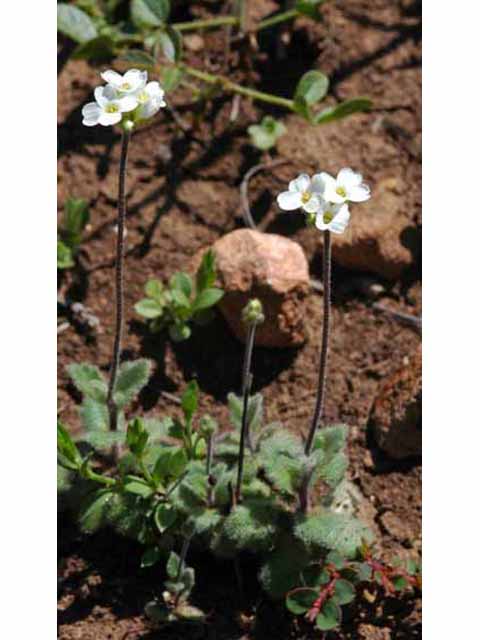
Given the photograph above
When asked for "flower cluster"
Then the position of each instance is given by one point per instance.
(128, 93)
(325, 198)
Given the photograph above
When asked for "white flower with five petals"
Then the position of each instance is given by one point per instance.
(348, 186)
(130, 83)
(332, 217)
(150, 99)
(304, 193)
(108, 107)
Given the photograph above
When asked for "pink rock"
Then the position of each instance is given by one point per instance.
(274, 269)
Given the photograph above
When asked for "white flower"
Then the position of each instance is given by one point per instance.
(150, 99)
(348, 186)
(302, 192)
(128, 84)
(108, 108)
(333, 217)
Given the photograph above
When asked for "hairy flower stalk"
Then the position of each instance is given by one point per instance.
(252, 316)
(119, 304)
(125, 100)
(324, 199)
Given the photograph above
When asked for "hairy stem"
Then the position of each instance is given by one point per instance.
(206, 24)
(210, 480)
(117, 343)
(227, 85)
(322, 374)
(246, 385)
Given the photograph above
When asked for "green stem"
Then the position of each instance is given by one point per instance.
(97, 477)
(206, 24)
(246, 385)
(227, 85)
(117, 343)
(277, 19)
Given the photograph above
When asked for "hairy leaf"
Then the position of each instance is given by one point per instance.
(69, 455)
(88, 379)
(75, 23)
(132, 377)
(94, 415)
(94, 511)
(335, 531)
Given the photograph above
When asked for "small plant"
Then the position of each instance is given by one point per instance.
(183, 301)
(75, 219)
(334, 582)
(265, 135)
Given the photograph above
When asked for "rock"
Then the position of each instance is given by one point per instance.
(380, 237)
(396, 414)
(371, 632)
(251, 264)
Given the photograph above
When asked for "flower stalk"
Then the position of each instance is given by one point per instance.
(119, 279)
(252, 316)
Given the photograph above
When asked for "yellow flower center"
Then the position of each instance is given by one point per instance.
(112, 108)
(327, 217)
(341, 191)
(142, 97)
(306, 195)
(125, 86)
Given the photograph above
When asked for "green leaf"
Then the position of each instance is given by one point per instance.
(101, 48)
(138, 488)
(363, 571)
(336, 559)
(149, 308)
(301, 600)
(342, 110)
(179, 333)
(75, 23)
(190, 613)
(344, 592)
(170, 464)
(400, 583)
(207, 298)
(132, 377)
(333, 531)
(94, 511)
(103, 441)
(138, 57)
(264, 136)
(188, 578)
(164, 516)
(149, 13)
(179, 299)
(170, 41)
(283, 567)
(76, 217)
(150, 557)
(64, 256)
(170, 78)
(94, 415)
(89, 380)
(137, 437)
(70, 456)
(154, 289)
(206, 273)
(173, 565)
(309, 8)
(183, 282)
(190, 400)
(329, 617)
(311, 88)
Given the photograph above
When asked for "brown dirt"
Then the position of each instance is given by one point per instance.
(183, 194)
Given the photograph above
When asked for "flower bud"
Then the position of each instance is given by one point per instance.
(253, 312)
(208, 426)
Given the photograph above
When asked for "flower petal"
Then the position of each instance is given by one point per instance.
(108, 119)
(127, 103)
(313, 205)
(300, 184)
(329, 192)
(112, 77)
(91, 113)
(340, 221)
(154, 89)
(289, 200)
(348, 178)
(318, 184)
(136, 78)
(359, 194)
(99, 96)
